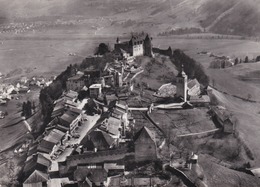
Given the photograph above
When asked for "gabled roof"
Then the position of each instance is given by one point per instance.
(54, 136)
(76, 77)
(144, 131)
(192, 83)
(36, 176)
(62, 128)
(221, 113)
(45, 146)
(138, 37)
(94, 174)
(36, 162)
(71, 94)
(100, 140)
(68, 117)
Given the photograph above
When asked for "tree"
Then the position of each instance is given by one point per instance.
(257, 59)
(236, 61)
(246, 60)
(29, 108)
(149, 68)
(102, 49)
(223, 64)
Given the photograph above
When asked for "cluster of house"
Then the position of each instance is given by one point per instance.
(92, 141)
(101, 155)
(78, 150)
(8, 91)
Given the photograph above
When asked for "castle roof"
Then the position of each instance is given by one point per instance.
(138, 37)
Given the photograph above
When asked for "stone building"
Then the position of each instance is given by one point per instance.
(75, 83)
(139, 45)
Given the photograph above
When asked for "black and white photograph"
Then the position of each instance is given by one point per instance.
(130, 93)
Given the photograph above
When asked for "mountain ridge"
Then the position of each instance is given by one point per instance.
(223, 17)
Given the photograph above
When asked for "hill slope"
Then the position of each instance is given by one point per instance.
(225, 17)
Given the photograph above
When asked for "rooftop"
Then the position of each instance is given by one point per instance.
(95, 86)
(144, 131)
(54, 136)
(36, 176)
(94, 175)
(76, 77)
(192, 83)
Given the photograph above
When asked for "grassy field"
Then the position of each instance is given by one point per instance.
(179, 122)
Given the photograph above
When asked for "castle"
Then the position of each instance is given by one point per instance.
(138, 45)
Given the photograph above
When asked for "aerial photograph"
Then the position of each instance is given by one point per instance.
(130, 93)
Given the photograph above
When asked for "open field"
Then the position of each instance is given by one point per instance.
(179, 122)
(12, 127)
(220, 176)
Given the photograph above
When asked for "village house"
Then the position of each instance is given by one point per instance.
(95, 90)
(223, 118)
(90, 177)
(92, 75)
(193, 87)
(145, 145)
(92, 158)
(35, 171)
(36, 179)
(140, 44)
(75, 83)
(97, 140)
(71, 119)
(52, 139)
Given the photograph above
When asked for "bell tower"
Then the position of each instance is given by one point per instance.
(181, 84)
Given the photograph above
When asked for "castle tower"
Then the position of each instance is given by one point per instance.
(181, 85)
(148, 46)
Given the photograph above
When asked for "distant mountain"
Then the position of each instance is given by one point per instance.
(238, 17)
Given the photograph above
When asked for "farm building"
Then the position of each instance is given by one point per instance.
(224, 119)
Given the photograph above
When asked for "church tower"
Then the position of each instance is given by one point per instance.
(181, 85)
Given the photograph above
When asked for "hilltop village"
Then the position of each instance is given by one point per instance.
(107, 128)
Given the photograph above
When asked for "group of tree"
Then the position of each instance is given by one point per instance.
(191, 67)
(27, 109)
(180, 31)
(246, 60)
(51, 93)
(102, 49)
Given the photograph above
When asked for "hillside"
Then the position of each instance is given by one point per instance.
(224, 17)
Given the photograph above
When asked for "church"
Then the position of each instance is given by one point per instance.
(186, 88)
(139, 45)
